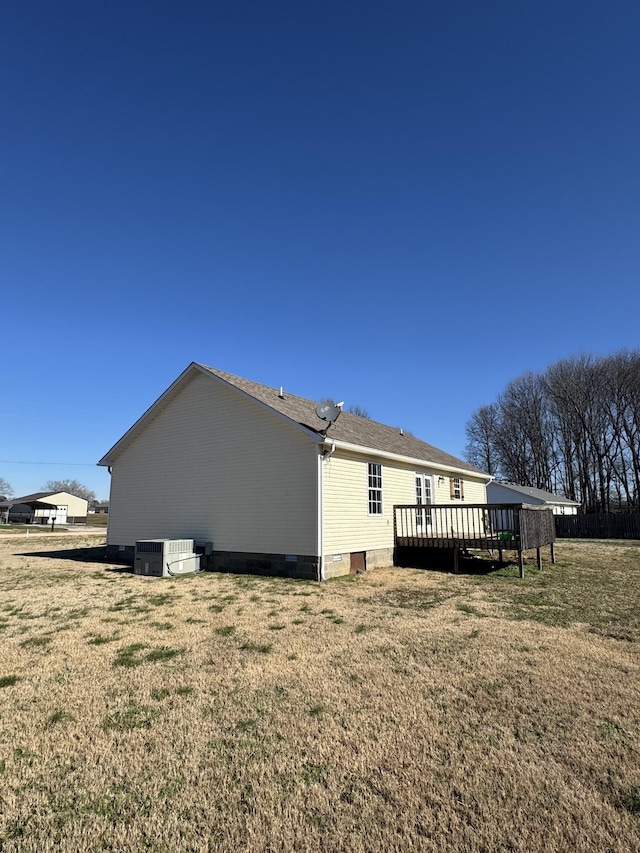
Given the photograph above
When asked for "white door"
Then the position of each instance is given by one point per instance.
(424, 492)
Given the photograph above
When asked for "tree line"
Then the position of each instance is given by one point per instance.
(573, 429)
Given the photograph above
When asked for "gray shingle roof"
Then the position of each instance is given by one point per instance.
(28, 499)
(539, 494)
(348, 428)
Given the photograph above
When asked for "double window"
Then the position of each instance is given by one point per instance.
(375, 488)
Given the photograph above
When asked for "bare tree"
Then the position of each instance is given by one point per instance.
(628, 420)
(522, 439)
(573, 429)
(6, 491)
(482, 431)
(581, 390)
(73, 487)
(359, 411)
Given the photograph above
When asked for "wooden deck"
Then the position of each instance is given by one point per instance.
(471, 543)
(473, 527)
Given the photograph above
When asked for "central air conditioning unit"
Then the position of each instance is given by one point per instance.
(165, 558)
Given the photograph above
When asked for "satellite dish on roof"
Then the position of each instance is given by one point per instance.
(328, 411)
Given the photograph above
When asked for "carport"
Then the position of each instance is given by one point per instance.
(23, 510)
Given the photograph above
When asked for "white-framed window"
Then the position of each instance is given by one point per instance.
(456, 489)
(375, 488)
(424, 489)
(423, 497)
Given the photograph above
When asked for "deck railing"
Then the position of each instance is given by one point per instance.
(446, 525)
(501, 527)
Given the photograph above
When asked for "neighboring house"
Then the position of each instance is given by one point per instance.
(44, 508)
(258, 479)
(101, 508)
(510, 493)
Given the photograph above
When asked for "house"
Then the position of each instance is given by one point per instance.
(44, 508)
(100, 508)
(255, 476)
(510, 493)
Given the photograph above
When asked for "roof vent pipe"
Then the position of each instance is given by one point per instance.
(401, 432)
(281, 393)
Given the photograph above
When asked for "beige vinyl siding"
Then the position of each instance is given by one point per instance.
(475, 491)
(76, 507)
(217, 467)
(347, 524)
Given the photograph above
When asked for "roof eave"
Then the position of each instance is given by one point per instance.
(410, 460)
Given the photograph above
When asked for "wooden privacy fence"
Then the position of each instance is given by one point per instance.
(500, 527)
(598, 526)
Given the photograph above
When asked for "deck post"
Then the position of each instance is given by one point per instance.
(520, 563)
(553, 553)
(456, 559)
(539, 559)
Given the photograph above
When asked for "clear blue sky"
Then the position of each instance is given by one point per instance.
(402, 205)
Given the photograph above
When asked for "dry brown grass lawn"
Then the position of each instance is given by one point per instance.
(399, 710)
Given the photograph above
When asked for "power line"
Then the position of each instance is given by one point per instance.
(23, 462)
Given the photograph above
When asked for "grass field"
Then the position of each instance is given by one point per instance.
(398, 710)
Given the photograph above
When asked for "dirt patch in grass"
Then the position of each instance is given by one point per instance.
(402, 710)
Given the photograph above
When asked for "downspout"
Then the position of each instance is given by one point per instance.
(322, 455)
(329, 453)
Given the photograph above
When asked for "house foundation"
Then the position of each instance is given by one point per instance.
(356, 562)
(300, 566)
